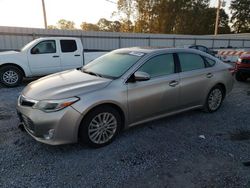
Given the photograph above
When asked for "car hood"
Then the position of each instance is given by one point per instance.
(64, 85)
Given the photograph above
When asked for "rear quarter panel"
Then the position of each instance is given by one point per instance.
(222, 75)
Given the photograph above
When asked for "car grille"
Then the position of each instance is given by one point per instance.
(28, 123)
(23, 101)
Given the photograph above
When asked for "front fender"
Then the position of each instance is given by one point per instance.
(19, 60)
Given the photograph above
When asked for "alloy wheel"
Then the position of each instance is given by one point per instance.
(10, 77)
(215, 99)
(102, 128)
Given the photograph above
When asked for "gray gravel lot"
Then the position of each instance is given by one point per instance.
(162, 153)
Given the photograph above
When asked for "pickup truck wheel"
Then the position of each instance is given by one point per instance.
(240, 77)
(10, 76)
(100, 127)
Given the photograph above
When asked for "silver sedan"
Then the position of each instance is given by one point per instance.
(119, 90)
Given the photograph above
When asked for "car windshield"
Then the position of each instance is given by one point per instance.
(112, 65)
(28, 45)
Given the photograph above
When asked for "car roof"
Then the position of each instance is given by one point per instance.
(245, 56)
(149, 50)
(63, 38)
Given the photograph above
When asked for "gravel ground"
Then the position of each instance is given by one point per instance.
(165, 153)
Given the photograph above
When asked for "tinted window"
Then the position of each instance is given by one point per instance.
(190, 61)
(247, 61)
(193, 47)
(210, 62)
(159, 65)
(44, 47)
(68, 45)
(112, 64)
(202, 48)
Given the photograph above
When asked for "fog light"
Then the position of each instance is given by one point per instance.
(49, 135)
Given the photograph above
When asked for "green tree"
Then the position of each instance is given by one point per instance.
(89, 27)
(145, 16)
(116, 26)
(240, 10)
(65, 24)
(126, 9)
(174, 16)
(190, 18)
(104, 24)
(52, 27)
(224, 27)
(111, 26)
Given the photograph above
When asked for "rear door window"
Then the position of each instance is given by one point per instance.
(68, 46)
(189, 61)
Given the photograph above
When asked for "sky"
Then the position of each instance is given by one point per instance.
(28, 13)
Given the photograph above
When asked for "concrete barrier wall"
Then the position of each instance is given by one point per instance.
(16, 37)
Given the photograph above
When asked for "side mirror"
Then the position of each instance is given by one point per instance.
(141, 76)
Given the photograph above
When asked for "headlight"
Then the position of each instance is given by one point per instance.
(55, 105)
(239, 60)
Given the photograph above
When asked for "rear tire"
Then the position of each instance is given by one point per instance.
(214, 99)
(240, 77)
(100, 127)
(10, 76)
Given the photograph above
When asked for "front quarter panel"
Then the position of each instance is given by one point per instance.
(115, 94)
(19, 59)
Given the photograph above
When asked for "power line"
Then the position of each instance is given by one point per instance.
(111, 1)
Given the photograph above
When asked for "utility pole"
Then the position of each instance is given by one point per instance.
(217, 18)
(44, 15)
(221, 3)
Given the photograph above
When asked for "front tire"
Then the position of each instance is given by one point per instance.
(100, 126)
(10, 76)
(214, 99)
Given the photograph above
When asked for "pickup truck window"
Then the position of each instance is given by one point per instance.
(68, 45)
(44, 47)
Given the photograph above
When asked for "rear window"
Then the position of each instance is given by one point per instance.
(68, 45)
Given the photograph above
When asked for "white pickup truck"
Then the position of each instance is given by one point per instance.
(40, 57)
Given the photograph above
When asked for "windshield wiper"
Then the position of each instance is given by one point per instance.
(92, 73)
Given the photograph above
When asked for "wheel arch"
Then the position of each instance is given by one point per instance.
(14, 65)
(110, 104)
(223, 86)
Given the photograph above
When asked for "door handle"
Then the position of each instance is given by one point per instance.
(77, 55)
(55, 56)
(209, 75)
(173, 83)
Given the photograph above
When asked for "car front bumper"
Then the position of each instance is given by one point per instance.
(53, 128)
